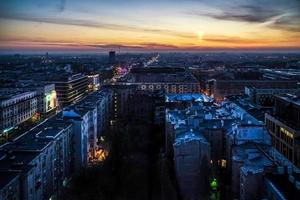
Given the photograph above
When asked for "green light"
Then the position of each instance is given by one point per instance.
(48, 97)
(7, 129)
(214, 184)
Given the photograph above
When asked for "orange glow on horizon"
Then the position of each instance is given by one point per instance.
(138, 27)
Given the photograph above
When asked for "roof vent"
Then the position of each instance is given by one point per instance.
(11, 157)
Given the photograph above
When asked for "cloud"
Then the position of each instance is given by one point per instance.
(60, 43)
(225, 39)
(289, 23)
(114, 46)
(276, 15)
(57, 46)
(95, 24)
(234, 40)
(53, 5)
(137, 46)
(243, 13)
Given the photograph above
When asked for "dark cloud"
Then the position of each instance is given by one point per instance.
(246, 13)
(53, 5)
(114, 46)
(278, 15)
(289, 23)
(159, 46)
(57, 43)
(62, 5)
(141, 46)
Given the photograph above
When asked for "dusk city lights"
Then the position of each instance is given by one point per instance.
(149, 99)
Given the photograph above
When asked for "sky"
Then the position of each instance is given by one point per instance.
(149, 25)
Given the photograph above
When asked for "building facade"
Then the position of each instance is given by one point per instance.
(70, 89)
(47, 100)
(42, 158)
(284, 127)
(192, 163)
(17, 108)
(266, 97)
(94, 82)
(10, 185)
(222, 88)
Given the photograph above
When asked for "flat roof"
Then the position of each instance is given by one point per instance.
(290, 98)
(7, 177)
(188, 97)
(283, 185)
(40, 136)
(17, 161)
(188, 137)
(7, 93)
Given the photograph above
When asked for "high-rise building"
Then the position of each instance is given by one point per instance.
(90, 117)
(69, 88)
(284, 127)
(112, 57)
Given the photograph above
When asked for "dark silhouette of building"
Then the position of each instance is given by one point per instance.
(112, 57)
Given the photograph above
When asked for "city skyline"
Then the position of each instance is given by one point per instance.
(166, 25)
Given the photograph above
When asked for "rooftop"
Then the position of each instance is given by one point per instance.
(254, 160)
(40, 136)
(290, 98)
(188, 97)
(281, 183)
(17, 160)
(64, 77)
(7, 93)
(160, 74)
(244, 133)
(7, 177)
(188, 137)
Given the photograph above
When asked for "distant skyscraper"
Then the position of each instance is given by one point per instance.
(112, 57)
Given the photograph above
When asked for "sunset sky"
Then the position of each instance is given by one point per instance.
(149, 25)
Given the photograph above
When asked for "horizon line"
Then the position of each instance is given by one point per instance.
(103, 51)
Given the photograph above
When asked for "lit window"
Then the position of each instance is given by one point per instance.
(286, 132)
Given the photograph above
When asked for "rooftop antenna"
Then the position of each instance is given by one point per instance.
(119, 55)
